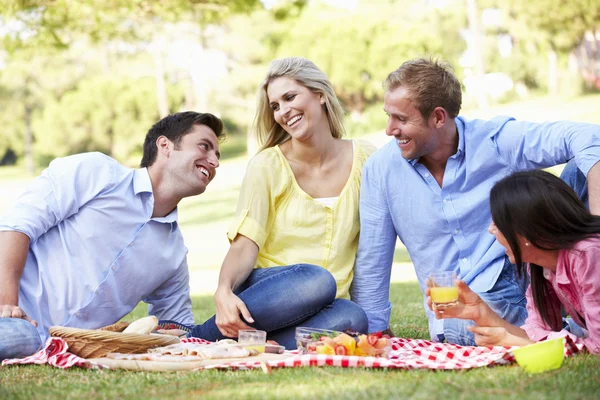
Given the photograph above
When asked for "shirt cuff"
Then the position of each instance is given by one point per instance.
(379, 320)
(249, 227)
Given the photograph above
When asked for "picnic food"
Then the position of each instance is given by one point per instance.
(188, 352)
(143, 325)
(117, 327)
(320, 341)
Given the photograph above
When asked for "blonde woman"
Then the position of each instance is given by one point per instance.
(295, 235)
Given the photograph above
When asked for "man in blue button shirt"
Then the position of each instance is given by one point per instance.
(430, 188)
(90, 239)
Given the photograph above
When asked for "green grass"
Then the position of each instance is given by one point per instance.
(579, 378)
(204, 221)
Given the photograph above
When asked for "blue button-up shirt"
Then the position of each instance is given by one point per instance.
(95, 249)
(445, 228)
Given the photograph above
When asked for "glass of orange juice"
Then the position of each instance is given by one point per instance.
(443, 289)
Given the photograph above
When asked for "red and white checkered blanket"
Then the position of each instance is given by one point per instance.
(405, 354)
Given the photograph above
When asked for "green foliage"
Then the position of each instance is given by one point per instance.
(100, 114)
(357, 49)
(562, 22)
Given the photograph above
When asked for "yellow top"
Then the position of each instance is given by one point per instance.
(290, 227)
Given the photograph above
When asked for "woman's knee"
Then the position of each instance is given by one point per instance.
(316, 282)
(354, 314)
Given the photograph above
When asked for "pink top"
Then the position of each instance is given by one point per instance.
(577, 285)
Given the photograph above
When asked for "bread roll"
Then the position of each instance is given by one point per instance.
(143, 325)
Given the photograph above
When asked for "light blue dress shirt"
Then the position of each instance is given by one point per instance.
(95, 250)
(445, 228)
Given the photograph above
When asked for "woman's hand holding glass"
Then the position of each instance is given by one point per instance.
(470, 306)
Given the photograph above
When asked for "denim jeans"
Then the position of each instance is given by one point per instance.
(18, 338)
(577, 180)
(282, 298)
(506, 298)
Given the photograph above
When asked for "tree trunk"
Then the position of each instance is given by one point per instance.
(159, 76)
(552, 72)
(29, 141)
(473, 18)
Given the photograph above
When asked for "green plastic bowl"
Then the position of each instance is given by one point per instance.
(541, 356)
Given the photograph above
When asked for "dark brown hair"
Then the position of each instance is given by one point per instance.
(544, 210)
(174, 127)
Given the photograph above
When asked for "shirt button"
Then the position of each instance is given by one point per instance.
(427, 175)
(446, 200)
(130, 244)
(456, 231)
(114, 267)
(464, 259)
(78, 315)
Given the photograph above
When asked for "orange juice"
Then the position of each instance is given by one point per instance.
(444, 296)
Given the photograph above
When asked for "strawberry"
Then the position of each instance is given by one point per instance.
(340, 350)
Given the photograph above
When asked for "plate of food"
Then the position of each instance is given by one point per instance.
(322, 341)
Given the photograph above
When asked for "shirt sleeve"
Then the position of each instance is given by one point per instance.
(588, 276)
(59, 192)
(254, 203)
(534, 325)
(527, 145)
(371, 285)
(171, 300)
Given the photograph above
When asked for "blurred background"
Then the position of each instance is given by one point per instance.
(94, 75)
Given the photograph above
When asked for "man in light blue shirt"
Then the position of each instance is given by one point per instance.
(90, 239)
(430, 187)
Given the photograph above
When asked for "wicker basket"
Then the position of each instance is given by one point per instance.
(88, 343)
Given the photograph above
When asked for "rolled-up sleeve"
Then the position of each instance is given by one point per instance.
(254, 205)
(371, 285)
(59, 192)
(534, 325)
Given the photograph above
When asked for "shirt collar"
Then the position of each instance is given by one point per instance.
(141, 181)
(143, 184)
(460, 129)
(560, 275)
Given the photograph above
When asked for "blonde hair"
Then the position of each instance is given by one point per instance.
(432, 84)
(268, 132)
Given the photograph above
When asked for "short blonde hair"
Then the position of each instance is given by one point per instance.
(432, 84)
(268, 132)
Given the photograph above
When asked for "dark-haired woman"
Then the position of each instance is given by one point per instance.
(546, 229)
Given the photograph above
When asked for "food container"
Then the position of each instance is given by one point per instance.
(328, 342)
(542, 356)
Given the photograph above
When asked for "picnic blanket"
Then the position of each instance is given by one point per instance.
(405, 354)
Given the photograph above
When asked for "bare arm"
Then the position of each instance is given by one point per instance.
(593, 180)
(13, 254)
(236, 268)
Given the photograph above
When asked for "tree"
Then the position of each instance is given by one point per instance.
(562, 23)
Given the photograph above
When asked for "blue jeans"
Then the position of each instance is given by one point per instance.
(18, 338)
(577, 180)
(506, 298)
(282, 298)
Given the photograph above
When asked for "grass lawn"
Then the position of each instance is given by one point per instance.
(579, 377)
(204, 220)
